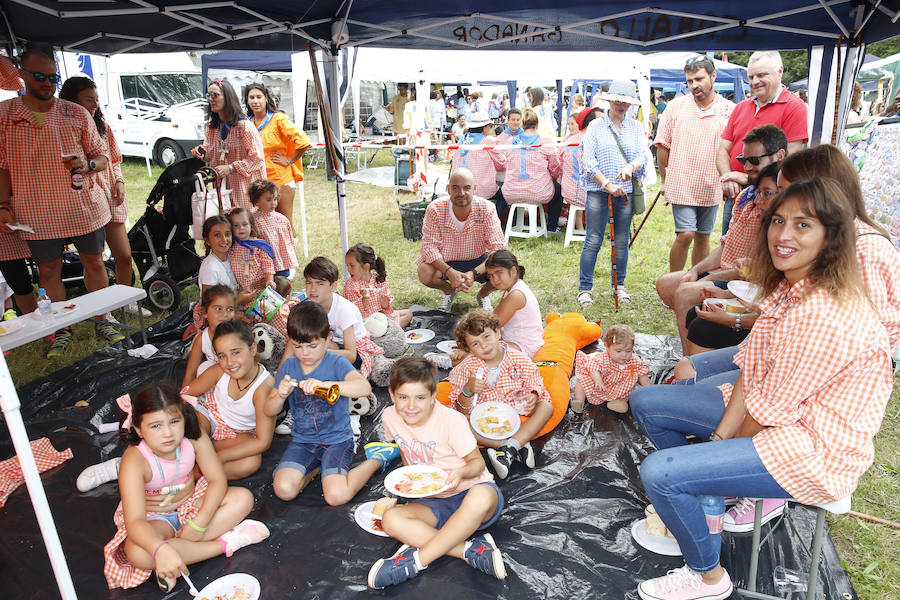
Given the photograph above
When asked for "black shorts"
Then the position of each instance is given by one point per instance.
(711, 335)
(16, 274)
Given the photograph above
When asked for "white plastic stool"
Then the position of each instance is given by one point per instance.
(574, 232)
(838, 507)
(515, 224)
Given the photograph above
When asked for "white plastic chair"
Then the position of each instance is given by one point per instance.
(574, 233)
(515, 224)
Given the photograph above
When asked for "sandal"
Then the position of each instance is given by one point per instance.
(623, 296)
(585, 299)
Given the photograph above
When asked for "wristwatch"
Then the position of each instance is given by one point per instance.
(92, 166)
(737, 323)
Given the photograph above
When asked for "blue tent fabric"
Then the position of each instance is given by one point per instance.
(730, 79)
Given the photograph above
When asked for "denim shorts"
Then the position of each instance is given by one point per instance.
(170, 517)
(334, 459)
(443, 508)
(47, 251)
(700, 219)
(283, 273)
(464, 266)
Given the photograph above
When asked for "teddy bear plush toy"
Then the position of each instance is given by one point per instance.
(391, 338)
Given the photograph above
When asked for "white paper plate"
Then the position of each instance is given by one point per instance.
(744, 290)
(729, 305)
(419, 336)
(365, 518)
(504, 412)
(225, 586)
(11, 326)
(63, 307)
(660, 544)
(447, 346)
(399, 475)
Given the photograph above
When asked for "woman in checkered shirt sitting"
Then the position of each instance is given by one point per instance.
(799, 421)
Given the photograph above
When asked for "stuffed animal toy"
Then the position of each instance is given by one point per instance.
(386, 334)
(270, 345)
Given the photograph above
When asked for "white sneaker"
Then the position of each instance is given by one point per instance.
(485, 303)
(134, 307)
(440, 360)
(284, 428)
(446, 302)
(98, 474)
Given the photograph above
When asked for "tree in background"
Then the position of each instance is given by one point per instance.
(796, 63)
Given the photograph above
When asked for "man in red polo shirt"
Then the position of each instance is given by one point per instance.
(771, 103)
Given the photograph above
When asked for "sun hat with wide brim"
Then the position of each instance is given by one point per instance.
(620, 91)
(478, 119)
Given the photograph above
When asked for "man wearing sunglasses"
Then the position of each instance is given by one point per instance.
(686, 145)
(37, 131)
(771, 103)
(682, 290)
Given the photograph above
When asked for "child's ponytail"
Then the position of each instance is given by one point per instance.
(365, 255)
(159, 396)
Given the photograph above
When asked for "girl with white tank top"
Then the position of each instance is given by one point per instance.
(518, 311)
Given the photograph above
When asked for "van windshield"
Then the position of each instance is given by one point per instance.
(166, 88)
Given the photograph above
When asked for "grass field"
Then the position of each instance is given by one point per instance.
(869, 551)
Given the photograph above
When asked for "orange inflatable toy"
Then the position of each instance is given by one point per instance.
(563, 336)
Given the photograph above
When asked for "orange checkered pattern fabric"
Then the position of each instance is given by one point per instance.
(517, 373)
(275, 228)
(366, 349)
(879, 265)
(223, 431)
(483, 164)
(107, 177)
(372, 303)
(618, 380)
(13, 247)
(117, 569)
(44, 198)
(45, 457)
(573, 190)
(740, 240)
(542, 167)
(818, 389)
(480, 235)
(692, 137)
(251, 269)
(244, 152)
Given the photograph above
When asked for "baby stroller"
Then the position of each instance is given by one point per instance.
(162, 247)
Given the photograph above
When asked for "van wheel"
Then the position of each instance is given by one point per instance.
(167, 152)
(163, 293)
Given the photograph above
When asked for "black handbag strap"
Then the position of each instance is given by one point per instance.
(634, 180)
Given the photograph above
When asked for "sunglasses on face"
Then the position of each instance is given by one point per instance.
(212, 95)
(42, 77)
(753, 160)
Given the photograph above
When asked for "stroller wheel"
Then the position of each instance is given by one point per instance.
(163, 293)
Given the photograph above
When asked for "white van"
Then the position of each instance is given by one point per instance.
(153, 102)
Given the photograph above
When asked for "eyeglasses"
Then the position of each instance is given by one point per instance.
(42, 77)
(212, 95)
(766, 194)
(753, 160)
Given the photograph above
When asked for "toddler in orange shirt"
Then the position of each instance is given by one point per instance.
(609, 377)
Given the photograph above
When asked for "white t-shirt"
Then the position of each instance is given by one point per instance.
(525, 327)
(213, 271)
(342, 315)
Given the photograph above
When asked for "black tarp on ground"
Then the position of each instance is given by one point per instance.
(565, 532)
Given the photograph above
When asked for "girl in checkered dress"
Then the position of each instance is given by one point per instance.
(274, 228)
(167, 519)
(609, 376)
(367, 287)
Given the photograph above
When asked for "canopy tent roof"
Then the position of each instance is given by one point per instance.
(667, 71)
(886, 68)
(115, 26)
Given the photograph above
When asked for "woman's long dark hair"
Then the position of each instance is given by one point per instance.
(74, 86)
(270, 101)
(232, 109)
(159, 396)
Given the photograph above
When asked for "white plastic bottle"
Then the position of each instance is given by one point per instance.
(44, 305)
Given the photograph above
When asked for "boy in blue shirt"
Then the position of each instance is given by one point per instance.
(321, 433)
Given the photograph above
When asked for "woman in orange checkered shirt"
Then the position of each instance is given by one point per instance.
(799, 421)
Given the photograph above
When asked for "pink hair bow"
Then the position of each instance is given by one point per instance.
(124, 402)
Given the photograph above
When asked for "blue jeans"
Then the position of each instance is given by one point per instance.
(596, 212)
(727, 209)
(713, 367)
(674, 476)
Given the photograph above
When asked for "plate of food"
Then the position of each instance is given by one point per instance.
(659, 544)
(59, 309)
(11, 326)
(447, 346)
(744, 290)
(368, 515)
(416, 481)
(494, 420)
(237, 586)
(729, 305)
(419, 336)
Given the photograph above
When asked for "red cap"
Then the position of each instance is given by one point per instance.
(583, 115)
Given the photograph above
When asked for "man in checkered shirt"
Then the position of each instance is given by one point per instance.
(682, 289)
(37, 189)
(458, 234)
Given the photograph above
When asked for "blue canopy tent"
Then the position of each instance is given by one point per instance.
(832, 30)
(667, 72)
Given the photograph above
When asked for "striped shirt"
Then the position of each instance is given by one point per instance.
(601, 154)
(819, 387)
(481, 233)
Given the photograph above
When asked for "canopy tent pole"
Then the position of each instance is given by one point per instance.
(9, 401)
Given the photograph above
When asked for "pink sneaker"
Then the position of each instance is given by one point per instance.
(684, 584)
(245, 533)
(739, 518)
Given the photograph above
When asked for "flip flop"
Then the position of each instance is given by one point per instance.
(585, 299)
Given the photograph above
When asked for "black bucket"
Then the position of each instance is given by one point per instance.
(412, 216)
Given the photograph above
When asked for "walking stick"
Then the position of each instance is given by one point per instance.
(612, 246)
(644, 220)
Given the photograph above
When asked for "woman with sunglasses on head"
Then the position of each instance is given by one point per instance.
(799, 420)
(283, 144)
(232, 145)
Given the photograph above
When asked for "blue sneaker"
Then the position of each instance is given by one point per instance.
(383, 452)
(396, 569)
(484, 555)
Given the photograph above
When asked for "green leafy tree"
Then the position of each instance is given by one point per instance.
(885, 48)
(796, 63)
